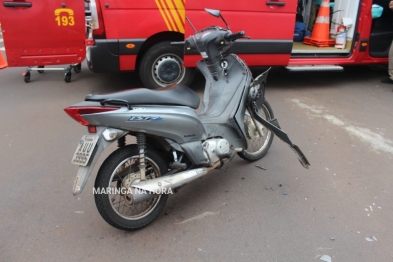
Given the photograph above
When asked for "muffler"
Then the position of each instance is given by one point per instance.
(146, 190)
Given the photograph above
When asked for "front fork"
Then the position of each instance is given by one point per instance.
(257, 96)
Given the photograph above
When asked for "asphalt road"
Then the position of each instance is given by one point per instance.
(340, 209)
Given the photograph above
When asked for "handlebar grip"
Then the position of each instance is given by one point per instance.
(235, 36)
(178, 43)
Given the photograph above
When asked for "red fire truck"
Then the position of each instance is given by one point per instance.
(135, 35)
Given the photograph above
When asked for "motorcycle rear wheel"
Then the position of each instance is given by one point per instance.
(257, 146)
(113, 206)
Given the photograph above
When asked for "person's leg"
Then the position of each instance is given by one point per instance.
(391, 61)
(389, 80)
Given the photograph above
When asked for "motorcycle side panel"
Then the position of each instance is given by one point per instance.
(194, 151)
(180, 124)
(224, 99)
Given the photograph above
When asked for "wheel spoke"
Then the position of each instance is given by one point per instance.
(119, 204)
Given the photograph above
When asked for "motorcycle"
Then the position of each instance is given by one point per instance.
(174, 144)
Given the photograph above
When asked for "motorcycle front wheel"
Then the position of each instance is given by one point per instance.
(112, 197)
(257, 145)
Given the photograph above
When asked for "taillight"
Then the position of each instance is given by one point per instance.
(91, 129)
(89, 42)
(77, 112)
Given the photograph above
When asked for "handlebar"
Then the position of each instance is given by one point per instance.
(232, 37)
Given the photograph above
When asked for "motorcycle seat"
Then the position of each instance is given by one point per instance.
(176, 95)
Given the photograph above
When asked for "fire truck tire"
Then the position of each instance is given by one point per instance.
(78, 68)
(40, 71)
(26, 77)
(67, 77)
(162, 65)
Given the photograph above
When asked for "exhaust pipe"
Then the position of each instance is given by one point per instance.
(137, 196)
(149, 189)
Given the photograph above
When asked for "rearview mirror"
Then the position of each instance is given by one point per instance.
(217, 13)
(213, 12)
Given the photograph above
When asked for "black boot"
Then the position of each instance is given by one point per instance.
(387, 80)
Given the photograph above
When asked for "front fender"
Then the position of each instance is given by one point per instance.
(273, 126)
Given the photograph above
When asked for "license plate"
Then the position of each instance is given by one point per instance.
(84, 150)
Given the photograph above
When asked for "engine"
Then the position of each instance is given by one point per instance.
(215, 149)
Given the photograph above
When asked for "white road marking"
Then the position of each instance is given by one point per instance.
(314, 109)
(199, 217)
(375, 140)
(326, 258)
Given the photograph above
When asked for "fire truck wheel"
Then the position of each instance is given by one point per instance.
(67, 77)
(162, 65)
(78, 68)
(26, 77)
(40, 71)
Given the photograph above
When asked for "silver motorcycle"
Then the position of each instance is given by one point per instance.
(174, 144)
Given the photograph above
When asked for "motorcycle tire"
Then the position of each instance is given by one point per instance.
(114, 208)
(254, 150)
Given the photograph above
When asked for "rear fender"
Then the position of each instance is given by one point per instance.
(85, 171)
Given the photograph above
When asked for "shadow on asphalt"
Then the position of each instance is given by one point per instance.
(279, 78)
(283, 79)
